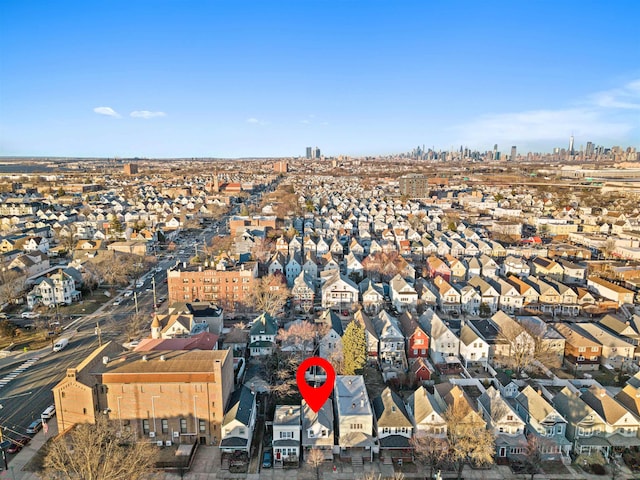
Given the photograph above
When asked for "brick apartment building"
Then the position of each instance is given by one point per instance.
(229, 288)
(170, 396)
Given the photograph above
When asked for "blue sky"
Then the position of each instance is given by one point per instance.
(157, 78)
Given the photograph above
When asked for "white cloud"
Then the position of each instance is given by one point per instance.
(627, 97)
(605, 115)
(108, 111)
(146, 114)
(253, 120)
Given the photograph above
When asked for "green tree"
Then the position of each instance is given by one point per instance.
(116, 227)
(354, 349)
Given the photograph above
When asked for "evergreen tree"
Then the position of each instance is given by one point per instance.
(354, 348)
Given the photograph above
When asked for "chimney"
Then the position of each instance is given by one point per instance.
(353, 405)
(162, 359)
(184, 265)
(200, 268)
(105, 360)
(144, 358)
(362, 402)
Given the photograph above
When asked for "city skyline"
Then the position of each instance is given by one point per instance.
(221, 79)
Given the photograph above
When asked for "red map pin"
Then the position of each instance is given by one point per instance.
(315, 396)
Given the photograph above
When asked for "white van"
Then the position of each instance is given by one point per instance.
(60, 344)
(49, 412)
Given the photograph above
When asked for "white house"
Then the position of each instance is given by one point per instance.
(356, 439)
(286, 434)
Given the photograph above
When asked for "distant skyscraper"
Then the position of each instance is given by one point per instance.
(571, 150)
(309, 150)
(514, 152)
(589, 151)
(316, 153)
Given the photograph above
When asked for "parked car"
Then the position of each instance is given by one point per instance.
(267, 459)
(17, 444)
(30, 315)
(128, 293)
(34, 427)
(116, 303)
(49, 412)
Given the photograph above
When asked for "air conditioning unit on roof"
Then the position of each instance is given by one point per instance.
(152, 434)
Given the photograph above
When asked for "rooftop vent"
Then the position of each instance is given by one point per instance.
(144, 358)
(105, 360)
(162, 359)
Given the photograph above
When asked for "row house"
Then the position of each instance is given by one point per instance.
(427, 414)
(582, 351)
(330, 345)
(372, 296)
(616, 352)
(504, 423)
(403, 296)
(474, 350)
(354, 419)
(303, 292)
(339, 292)
(394, 427)
(391, 341)
(445, 345)
(317, 429)
(488, 293)
(417, 340)
(544, 422)
(545, 267)
(596, 421)
(239, 422)
(287, 426)
(610, 291)
(448, 297)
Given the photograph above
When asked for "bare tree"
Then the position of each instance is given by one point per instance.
(281, 373)
(468, 438)
(12, 286)
(299, 338)
(533, 453)
(270, 294)
(262, 249)
(429, 451)
(520, 345)
(99, 452)
(136, 326)
(315, 458)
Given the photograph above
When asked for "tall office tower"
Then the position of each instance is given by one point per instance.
(514, 152)
(309, 150)
(495, 151)
(316, 153)
(571, 150)
(589, 151)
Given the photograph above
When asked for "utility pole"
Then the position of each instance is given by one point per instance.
(135, 299)
(153, 284)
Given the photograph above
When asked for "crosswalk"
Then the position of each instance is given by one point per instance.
(20, 369)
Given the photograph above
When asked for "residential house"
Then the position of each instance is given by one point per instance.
(586, 429)
(444, 344)
(317, 429)
(610, 291)
(474, 350)
(582, 351)
(516, 346)
(448, 297)
(303, 292)
(262, 336)
(417, 339)
(616, 352)
(330, 345)
(403, 296)
(490, 297)
(545, 422)
(545, 267)
(504, 423)
(427, 414)
(393, 425)
(339, 293)
(372, 296)
(57, 289)
(516, 266)
(293, 268)
(392, 344)
(239, 421)
(286, 435)
(354, 419)
(453, 398)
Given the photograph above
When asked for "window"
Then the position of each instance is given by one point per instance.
(202, 425)
(509, 417)
(165, 425)
(145, 426)
(286, 434)
(582, 349)
(183, 425)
